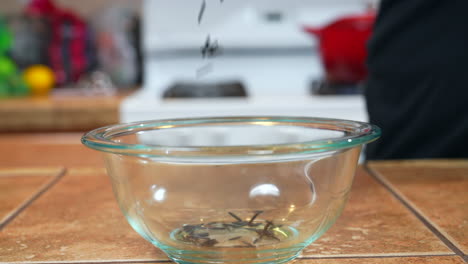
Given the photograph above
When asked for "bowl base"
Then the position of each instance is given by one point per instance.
(248, 257)
(224, 236)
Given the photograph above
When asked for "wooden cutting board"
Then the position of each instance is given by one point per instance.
(48, 114)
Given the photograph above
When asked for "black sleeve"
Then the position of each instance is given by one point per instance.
(417, 90)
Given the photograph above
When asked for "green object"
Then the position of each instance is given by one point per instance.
(13, 85)
(6, 38)
(7, 67)
(11, 82)
(18, 86)
(4, 89)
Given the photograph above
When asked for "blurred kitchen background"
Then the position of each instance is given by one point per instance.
(76, 65)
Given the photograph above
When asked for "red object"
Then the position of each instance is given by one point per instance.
(343, 47)
(67, 48)
(41, 8)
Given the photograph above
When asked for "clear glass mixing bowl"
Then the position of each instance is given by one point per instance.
(238, 189)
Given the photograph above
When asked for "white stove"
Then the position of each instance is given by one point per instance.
(262, 46)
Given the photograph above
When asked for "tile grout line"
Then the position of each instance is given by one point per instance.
(170, 261)
(45, 187)
(433, 227)
(19, 172)
(383, 256)
(126, 261)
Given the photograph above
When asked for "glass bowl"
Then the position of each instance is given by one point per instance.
(237, 189)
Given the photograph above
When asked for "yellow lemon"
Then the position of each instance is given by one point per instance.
(40, 79)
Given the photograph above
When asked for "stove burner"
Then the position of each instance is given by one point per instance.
(206, 90)
(324, 87)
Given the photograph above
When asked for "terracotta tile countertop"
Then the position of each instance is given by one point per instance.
(57, 206)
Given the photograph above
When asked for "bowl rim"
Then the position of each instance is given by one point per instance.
(356, 134)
